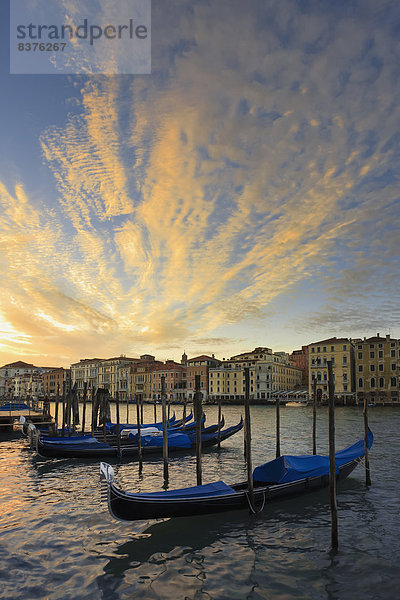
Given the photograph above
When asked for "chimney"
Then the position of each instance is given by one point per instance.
(377, 335)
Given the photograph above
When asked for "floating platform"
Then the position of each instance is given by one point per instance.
(11, 412)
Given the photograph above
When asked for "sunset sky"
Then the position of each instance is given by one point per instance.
(245, 193)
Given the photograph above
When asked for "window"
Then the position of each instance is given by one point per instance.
(380, 353)
(393, 366)
(345, 360)
(381, 382)
(372, 367)
(360, 355)
(332, 348)
(324, 349)
(360, 368)
(371, 346)
(372, 382)
(360, 382)
(372, 354)
(380, 367)
(393, 382)
(344, 348)
(393, 353)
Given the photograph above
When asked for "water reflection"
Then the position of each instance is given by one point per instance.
(58, 536)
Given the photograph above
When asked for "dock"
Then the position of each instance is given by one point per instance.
(11, 412)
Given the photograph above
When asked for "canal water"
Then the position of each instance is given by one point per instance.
(59, 542)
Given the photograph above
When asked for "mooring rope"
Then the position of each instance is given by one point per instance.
(252, 508)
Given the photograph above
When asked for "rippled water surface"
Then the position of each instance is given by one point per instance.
(58, 541)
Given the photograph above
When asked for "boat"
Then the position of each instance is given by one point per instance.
(92, 447)
(282, 477)
(296, 403)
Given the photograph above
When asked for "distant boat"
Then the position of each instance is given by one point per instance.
(296, 403)
(281, 477)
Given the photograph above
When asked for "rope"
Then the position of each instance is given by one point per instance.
(251, 507)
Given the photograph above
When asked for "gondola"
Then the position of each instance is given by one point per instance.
(279, 478)
(88, 447)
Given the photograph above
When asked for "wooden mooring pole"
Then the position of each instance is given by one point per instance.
(277, 427)
(56, 408)
(198, 416)
(94, 411)
(219, 422)
(63, 411)
(314, 423)
(332, 462)
(69, 410)
(184, 414)
(366, 457)
(139, 433)
(84, 406)
(128, 399)
(155, 409)
(248, 436)
(118, 423)
(164, 427)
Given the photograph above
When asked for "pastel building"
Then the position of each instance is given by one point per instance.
(199, 365)
(175, 381)
(55, 381)
(340, 351)
(377, 366)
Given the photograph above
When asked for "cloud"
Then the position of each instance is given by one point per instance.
(260, 155)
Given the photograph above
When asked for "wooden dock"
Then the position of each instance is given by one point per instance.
(11, 412)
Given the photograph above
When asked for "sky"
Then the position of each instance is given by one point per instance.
(244, 193)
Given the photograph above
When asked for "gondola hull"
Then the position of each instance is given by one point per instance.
(101, 450)
(131, 507)
(219, 497)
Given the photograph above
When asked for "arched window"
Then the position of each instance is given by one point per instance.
(381, 382)
(393, 382)
(360, 382)
(372, 382)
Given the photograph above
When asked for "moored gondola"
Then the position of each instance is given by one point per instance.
(279, 478)
(92, 447)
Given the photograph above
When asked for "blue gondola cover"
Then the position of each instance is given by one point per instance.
(289, 468)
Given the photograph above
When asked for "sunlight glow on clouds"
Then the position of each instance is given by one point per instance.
(194, 198)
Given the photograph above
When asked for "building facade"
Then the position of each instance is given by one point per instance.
(299, 359)
(55, 381)
(377, 365)
(11, 370)
(200, 365)
(175, 381)
(340, 351)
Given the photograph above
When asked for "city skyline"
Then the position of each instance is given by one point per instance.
(243, 194)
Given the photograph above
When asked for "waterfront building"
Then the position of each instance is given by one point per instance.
(55, 380)
(270, 372)
(175, 381)
(199, 365)
(299, 359)
(377, 365)
(141, 377)
(28, 386)
(11, 370)
(112, 372)
(86, 370)
(341, 352)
